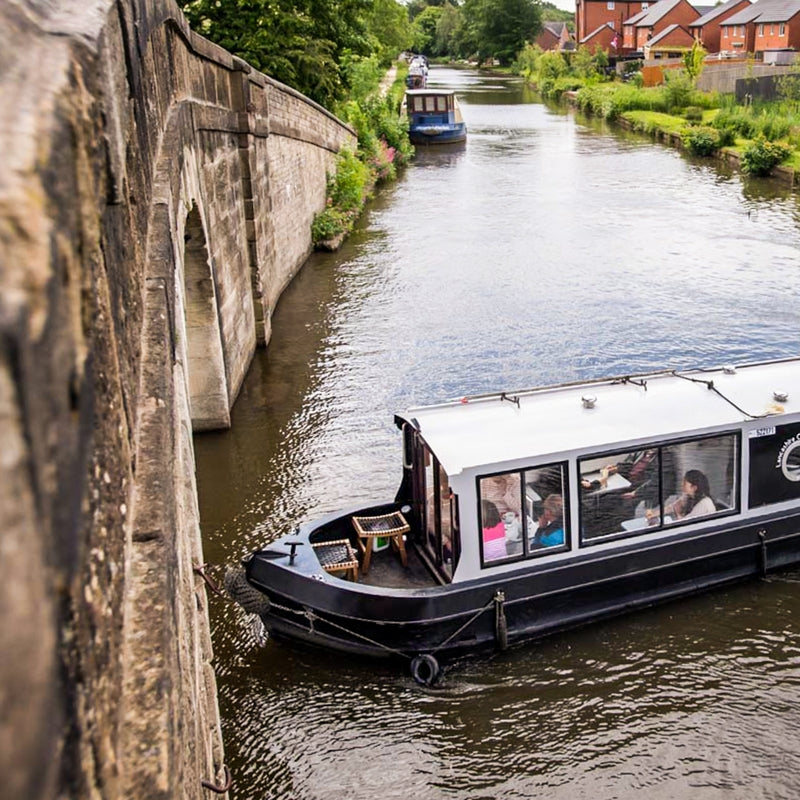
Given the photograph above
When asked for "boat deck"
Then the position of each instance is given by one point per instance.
(386, 571)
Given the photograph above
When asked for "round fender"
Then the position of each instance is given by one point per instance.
(425, 669)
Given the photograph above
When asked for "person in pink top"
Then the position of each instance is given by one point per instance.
(494, 532)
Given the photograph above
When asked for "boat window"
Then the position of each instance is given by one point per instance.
(699, 479)
(774, 464)
(418, 103)
(430, 103)
(616, 491)
(522, 514)
(642, 490)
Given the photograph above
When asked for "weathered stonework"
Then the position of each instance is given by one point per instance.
(156, 196)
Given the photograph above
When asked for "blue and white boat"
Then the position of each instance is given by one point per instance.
(434, 117)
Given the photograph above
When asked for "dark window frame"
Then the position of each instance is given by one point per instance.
(736, 506)
(527, 554)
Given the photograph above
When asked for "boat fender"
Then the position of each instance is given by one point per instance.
(425, 669)
(248, 597)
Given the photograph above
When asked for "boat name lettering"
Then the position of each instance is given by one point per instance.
(754, 434)
(784, 447)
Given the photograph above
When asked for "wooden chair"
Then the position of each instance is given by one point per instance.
(337, 556)
(391, 526)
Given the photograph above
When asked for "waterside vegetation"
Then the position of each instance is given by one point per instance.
(760, 135)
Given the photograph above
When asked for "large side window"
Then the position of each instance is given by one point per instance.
(643, 490)
(523, 513)
(617, 490)
(700, 479)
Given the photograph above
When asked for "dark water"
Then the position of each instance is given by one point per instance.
(549, 248)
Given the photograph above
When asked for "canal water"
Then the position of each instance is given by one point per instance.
(548, 248)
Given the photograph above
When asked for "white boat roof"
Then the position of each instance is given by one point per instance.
(492, 429)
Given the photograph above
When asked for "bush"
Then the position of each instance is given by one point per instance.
(693, 114)
(328, 224)
(763, 155)
(702, 140)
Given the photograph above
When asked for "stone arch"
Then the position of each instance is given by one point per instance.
(205, 367)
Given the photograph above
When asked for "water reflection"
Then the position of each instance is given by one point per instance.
(548, 248)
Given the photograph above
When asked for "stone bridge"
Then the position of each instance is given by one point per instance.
(156, 196)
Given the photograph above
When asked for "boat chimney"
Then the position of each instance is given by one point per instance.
(779, 396)
(588, 400)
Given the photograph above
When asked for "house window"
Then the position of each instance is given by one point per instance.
(760, 30)
(782, 31)
(645, 6)
(771, 30)
(725, 32)
(610, 5)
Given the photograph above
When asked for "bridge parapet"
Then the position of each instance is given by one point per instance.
(156, 198)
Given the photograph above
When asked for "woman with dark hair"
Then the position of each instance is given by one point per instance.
(696, 499)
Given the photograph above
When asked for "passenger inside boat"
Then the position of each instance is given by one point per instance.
(494, 532)
(629, 491)
(550, 528)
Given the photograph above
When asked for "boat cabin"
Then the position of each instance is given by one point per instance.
(500, 481)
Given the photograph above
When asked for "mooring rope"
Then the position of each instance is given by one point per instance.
(711, 387)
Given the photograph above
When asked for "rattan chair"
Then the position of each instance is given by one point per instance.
(391, 526)
(337, 556)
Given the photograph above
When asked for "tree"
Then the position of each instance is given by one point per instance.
(390, 26)
(425, 26)
(694, 61)
(500, 28)
(300, 43)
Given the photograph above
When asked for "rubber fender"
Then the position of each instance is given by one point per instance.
(248, 597)
(425, 669)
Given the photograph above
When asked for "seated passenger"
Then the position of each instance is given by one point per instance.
(695, 501)
(551, 523)
(494, 532)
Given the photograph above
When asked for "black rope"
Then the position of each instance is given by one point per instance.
(629, 379)
(511, 399)
(710, 386)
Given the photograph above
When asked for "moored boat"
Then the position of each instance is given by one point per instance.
(434, 117)
(523, 514)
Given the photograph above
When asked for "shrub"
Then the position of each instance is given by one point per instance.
(346, 187)
(763, 155)
(328, 224)
(693, 114)
(701, 140)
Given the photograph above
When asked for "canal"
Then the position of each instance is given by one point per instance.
(548, 248)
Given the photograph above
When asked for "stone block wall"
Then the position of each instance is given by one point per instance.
(155, 199)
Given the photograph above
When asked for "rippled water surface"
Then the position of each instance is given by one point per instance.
(548, 248)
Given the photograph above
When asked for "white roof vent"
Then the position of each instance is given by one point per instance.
(780, 397)
(588, 401)
(729, 369)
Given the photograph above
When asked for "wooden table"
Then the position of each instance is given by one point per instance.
(391, 526)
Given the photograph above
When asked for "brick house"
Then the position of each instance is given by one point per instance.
(591, 15)
(708, 28)
(642, 27)
(765, 25)
(673, 41)
(604, 37)
(554, 36)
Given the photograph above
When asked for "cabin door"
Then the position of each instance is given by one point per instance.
(438, 511)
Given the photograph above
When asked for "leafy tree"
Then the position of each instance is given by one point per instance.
(788, 87)
(449, 31)
(300, 43)
(500, 28)
(425, 26)
(389, 25)
(694, 61)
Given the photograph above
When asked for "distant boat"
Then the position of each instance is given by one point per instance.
(434, 117)
(417, 77)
